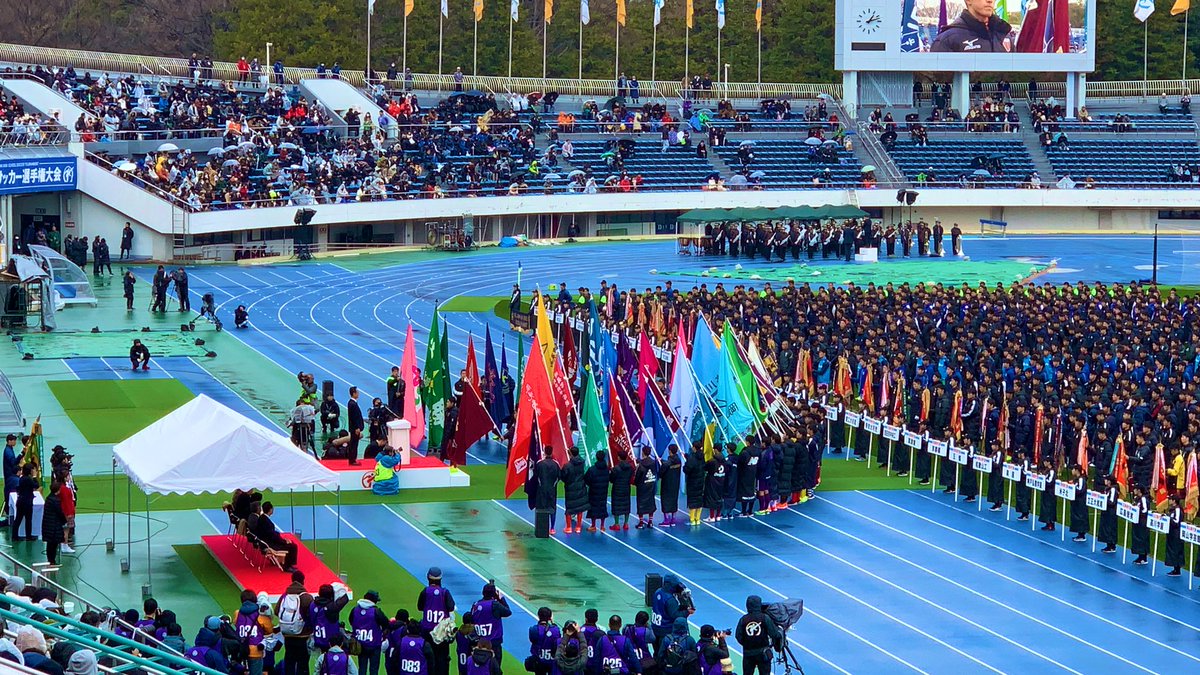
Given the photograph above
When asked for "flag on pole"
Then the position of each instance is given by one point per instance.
(620, 21)
(1001, 9)
(720, 13)
(414, 411)
(658, 5)
(535, 415)
(1158, 481)
(545, 334)
(31, 453)
(408, 7)
(478, 11)
(560, 433)
(745, 383)
(593, 434)
(446, 7)
(866, 389)
(585, 13)
(956, 421)
(1180, 7)
(549, 5)
(1038, 416)
(514, 13)
(683, 390)
(371, 7)
(1191, 496)
(942, 18)
(647, 366)
(1081, 455)
(474, 423)
(1142, 9)
(618, 432)
(472, 365)
(659, 434)
(508, 386)
(758, 14)
(1121, 468)
(841, 380)
(432, 389)
(492, 385)
(688, 12)
(570, 355)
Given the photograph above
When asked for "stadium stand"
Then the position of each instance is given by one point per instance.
(1128, 162)
(985, 161)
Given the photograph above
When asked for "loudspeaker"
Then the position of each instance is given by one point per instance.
(653, 583)
(541, 523)
(327, 389)
(303, 216)
(907, 196)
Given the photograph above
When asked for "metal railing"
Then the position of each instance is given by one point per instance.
(880, 156)
(11, 395)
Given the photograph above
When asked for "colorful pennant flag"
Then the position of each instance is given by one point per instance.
(414, 410)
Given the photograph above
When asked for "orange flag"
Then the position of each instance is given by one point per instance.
(535, 410)
(621, 12)
(1191, 499)
(1158, 481)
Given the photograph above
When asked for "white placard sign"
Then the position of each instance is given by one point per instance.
(1189, 533)
(1035, 481)
(852, 419)
(1127, 510)
(891, 433)
(1065, 489)
(1159, 522)
(1097, 500)
(938, 448)
(912, 439)
(831, 412)
(871, 425)
(1011, 471)
(959, 455)
(982, 463)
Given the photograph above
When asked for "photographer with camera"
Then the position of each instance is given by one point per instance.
(668, 605)
(714, 654)
(758, 634)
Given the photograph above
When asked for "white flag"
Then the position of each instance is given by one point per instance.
(1143, 9)
(683, 391)
(371, 7)
(585, 14)
(720, 14)
(658, 4)
(445, 7)
(513, 11)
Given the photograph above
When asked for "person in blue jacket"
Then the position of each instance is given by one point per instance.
(206, 649)
(665, 607)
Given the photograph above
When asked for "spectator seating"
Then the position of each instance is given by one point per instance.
(1174, 121)
(950, 158)
(1121, 161)
(676, 169)
(787, 164)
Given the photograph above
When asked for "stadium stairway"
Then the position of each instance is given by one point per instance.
(338, 96)
(1040, 161)
(42, 98)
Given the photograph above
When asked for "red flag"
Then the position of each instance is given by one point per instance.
(570, 355)
(1037, 437)
(1032, 37)
(618, 431)
(1062, 27)
(681, 340)
(1002, 424)
(1191, 497)
(841, 383)
(1121, 473)
(1158, 481)
(474, 423)
(956, 425)
(868, 389)
(559, 435)
(898, 400)
(647, 367)
(1081, 456)
(926, 403)
(472, 365)
(535, 408)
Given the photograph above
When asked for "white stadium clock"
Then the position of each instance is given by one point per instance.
(868, 21)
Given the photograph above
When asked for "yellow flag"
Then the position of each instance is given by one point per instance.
(621, 12)
(758, 14)
(709, 430)
(1181, 6)
(689, 14)
(478, 11)
(549, 10)
(408, 7)
(545, 336)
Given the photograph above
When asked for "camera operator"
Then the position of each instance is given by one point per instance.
(758, 634)
(713, 651)
(668, 605)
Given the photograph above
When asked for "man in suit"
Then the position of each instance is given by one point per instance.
(354, 415)
(264, 528)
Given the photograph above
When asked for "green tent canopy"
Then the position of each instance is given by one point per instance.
(756, 214)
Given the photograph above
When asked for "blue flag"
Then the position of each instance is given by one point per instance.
(734, 416)
(658, 434)
(706, 359)
(508, 387)
(493, 385)
(602, 357)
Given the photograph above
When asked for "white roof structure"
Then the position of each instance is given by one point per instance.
(203, 446)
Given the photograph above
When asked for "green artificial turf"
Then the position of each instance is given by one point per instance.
(472, 303)
(115, 345)
(953, 273)
(109, 411)
(211, 576)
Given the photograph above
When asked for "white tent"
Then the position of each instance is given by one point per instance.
(203, 446)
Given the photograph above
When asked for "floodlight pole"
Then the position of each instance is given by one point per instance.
(1154, 262)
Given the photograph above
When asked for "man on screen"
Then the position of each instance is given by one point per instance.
(977, 29)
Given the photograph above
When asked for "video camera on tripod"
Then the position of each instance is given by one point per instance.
(785, 613)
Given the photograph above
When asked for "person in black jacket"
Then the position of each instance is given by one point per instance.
(785, 453)
(758, 634)
(27, 487)
(597, 478)
(646, 480)
(693, 479)
(668, 484)
(355, 418)
(715, 476)
(747, 485)
(547, 474)
(976, 30)
(621, 477)
(128, 281)
(575, 491)
(53, 520)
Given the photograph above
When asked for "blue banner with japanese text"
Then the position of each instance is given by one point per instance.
(37, 174)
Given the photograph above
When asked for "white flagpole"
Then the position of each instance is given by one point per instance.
(719, 32)
(440, 33)
(510, 33)
(581, 48)
(370, 11)
(475, 52)
(760, 59)
(1186, 17)
(545, 40)
(687, 56)
(617, 55)
(404, 47)
(654, 57)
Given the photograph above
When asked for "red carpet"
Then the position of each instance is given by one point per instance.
(271, 580)
(418, 462)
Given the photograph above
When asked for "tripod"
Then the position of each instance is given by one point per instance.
(788, 658)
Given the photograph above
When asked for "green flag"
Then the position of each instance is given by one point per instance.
(746, 384)
(592, 431)
(433, 386)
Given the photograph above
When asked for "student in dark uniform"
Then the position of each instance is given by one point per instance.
(693, 480)
(995, 489)
(735, 239)
(837, 426)
(1108, 519)
(714, 485)
(1023, 492)
(646, 480)
(575, 491)
(747, 483)
(1079, 509)
(597, 479)
(1141, 528)
(1048, 508)
(786, 468)
(795, 240)
(621, 478)
(1174, 558)
(668, 484)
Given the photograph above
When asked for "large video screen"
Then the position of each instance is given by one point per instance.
(994, 26)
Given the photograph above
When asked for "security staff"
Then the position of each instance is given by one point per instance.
(758, 634)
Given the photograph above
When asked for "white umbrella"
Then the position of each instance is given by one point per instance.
(868, 168)
(230, 162)
(746, 144)
(127, 166)
(245, 144)
(168, 147)
(230, 148)
(812, 140)
(216, 152)
(576, 172)
(456, 128)
(758, 174)
(288, 146)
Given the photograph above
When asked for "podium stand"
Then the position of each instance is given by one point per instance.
(867, 255)
(398, 438)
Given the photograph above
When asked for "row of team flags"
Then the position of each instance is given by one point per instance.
(1142, 9)
(585, 14)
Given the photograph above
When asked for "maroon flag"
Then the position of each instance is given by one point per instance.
(570, 355)
(474, 423)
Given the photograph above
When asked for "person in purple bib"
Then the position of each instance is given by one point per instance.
(367, 625)
(591, 635)
(411, 654)
(435, 603)
(616, 651)
(487, 614)
(712, 650)
(335, 661)
(544, 637)
(323, 616)
(641, 637)
(464, 643)
(483, 660)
